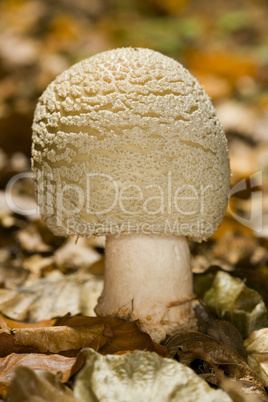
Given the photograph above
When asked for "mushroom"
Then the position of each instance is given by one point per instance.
(127, 144)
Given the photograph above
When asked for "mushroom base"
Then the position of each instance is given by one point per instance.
(148, 278)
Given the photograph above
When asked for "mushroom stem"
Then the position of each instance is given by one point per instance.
(148, 278)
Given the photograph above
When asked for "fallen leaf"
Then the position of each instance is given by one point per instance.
(229, 298)
(198, 350)
(60, 338)
(31, 386)
(69, 334)
(122, 335)
(7, 345)
(76, 255)
(56, 364)
(38, 268)
(140, 376)
(48, 298)
(6, 322)
(233, 388)
(221, 330)
(257, 347)
(31, 241)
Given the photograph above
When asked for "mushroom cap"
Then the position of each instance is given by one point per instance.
(127, 141)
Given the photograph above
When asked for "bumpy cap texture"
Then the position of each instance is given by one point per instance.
(127, 141)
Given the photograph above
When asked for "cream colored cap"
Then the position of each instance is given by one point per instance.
(127, 141)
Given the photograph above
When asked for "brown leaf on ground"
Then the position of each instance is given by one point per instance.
(7, 345)
(232, 386)
(6, 322)
(221, 330)
(30, 386)
(70, 334)
(59, 365)
(61, 338)
(201, 352)
(126, 335)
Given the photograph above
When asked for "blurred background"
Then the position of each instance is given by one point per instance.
(224, 43)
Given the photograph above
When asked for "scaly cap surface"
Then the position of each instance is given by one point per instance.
(128, 141)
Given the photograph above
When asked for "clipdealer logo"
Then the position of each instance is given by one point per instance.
(253, 185)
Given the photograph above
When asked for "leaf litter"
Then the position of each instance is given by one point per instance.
(43, 277)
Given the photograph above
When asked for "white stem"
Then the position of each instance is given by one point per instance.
(148, 278)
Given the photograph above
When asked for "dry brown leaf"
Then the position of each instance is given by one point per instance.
(192, 346)
(70, 334)
(30, 386)
(121, 335)
(6, 322)
(60, 338)
(7, 345)
(221, 330)
(56, 364)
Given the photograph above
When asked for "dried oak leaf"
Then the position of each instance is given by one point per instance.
(7, 345)
(198, 351)
(70, 334)
(59, 365)
(121, 335)
(61, 338)
(30, 386)
(221, 330)
(229, 298)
